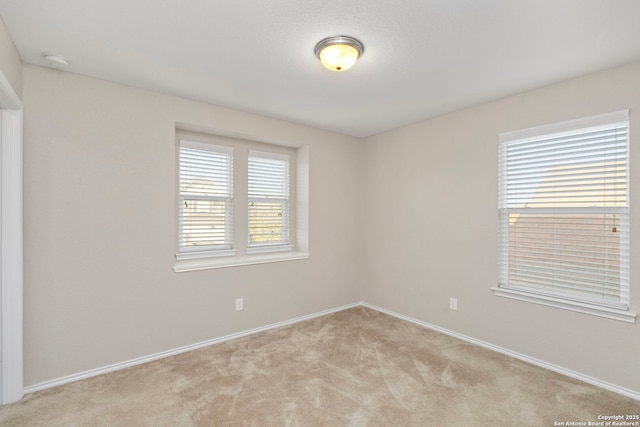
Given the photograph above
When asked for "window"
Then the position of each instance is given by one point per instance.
(205, 200)
(239, 202)
(268, 190)
(564, 215)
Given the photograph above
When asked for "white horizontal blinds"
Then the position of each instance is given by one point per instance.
(583, 170)
(268, 188)
(564, 214)
(205, 196)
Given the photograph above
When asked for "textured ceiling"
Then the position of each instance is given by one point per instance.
(422, 58)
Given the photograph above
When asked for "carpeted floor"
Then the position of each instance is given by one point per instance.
(357, 367)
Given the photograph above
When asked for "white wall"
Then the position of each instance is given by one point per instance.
(100, 221)
(430, 226)
(402, 220)
(10, 61)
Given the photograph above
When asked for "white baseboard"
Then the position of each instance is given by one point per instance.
(138, 361)
(145, 359)
(550, 366)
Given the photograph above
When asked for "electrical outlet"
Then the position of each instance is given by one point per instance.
(239, 304)
(453, 303)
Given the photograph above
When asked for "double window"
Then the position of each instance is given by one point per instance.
(235, 199)
(564, 215)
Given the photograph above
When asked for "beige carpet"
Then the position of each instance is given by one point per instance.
(357, 367)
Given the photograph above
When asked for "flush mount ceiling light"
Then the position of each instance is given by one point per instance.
(339, 53)
(55, 60)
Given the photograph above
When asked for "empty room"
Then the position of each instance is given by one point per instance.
(319, 213)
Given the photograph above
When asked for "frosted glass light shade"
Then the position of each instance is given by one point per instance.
(339, 53)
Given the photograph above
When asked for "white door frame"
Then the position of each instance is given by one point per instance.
(11, 372)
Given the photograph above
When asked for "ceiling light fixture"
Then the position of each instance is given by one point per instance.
(339, 53)
(55, 60)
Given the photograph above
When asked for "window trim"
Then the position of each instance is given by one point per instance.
(577, 306)
(241, 254)
(236, 261)
(621, 313)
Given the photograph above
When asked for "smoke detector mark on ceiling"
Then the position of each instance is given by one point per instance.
(55, 60)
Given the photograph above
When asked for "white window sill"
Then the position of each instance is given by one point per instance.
(580, 307)
(183, 256)
(268, 248)
(235, 261)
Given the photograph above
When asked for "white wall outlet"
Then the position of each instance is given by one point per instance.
(453, 303)
(239, 304)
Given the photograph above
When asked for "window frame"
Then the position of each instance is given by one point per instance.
(618, 311)
(241, 253)
(185, 252)
(285, 202)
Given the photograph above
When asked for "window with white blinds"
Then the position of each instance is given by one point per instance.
(564, 211)
(268, 201)
(205, 199)
(240, 202)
